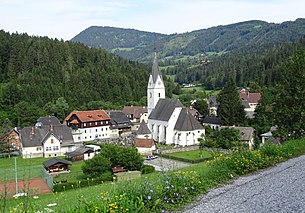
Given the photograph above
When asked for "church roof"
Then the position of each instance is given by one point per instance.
(186, 122)
(164, 109)
(143, 129)
(155, 69)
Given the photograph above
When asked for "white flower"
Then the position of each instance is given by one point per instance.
(52, 204)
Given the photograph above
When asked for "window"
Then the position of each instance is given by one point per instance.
(95, 123)
(55, 148)
(106, 129)
(52, 141)
(159, 95)
(38, 148)
(48, 148)
(85, 131)
(101, 122)
(78, 138)
(106, 122)
(88, 154)
(85, 137)
(102, 129)
(84, 124)
(95, 130)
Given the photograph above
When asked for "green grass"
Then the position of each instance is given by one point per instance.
(192, 155)
(26, 168)
(32, 168)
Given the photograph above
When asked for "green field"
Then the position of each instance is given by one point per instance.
(32, 168)
(192, 155)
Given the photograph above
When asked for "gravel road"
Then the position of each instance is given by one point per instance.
(279, 189)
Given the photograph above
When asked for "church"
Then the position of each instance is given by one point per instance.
(168, 120)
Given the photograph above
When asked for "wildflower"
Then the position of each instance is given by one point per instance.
(193, 187)
(52, 204)
(166, 181)
(185, 188)
(148, 197)
(165, 198)
(35, 197)
(172, 200)
(145, 201)
(151, 190)
(167, 187)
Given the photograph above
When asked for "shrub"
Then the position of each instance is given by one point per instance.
(147, 169)
(107, 176)
(96, 166)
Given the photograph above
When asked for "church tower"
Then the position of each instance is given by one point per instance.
(155, 87)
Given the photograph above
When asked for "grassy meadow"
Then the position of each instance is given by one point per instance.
(193, 154)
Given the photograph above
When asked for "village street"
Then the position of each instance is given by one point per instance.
(279, 189)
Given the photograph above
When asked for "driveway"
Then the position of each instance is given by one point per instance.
(164, 164)
(279, 189)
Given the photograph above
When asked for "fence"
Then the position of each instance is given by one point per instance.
(47, 178)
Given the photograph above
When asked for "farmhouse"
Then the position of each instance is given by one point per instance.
(46, 141)
(120, 124)
(136, 114)
(168, 120)
(88, 125)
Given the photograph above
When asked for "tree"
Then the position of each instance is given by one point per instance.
(96, 166)
(288, 109)
(230, 110)
(202, 106)
(59, 109)
(127, 157)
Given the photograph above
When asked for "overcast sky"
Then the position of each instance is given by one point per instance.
(66, 18)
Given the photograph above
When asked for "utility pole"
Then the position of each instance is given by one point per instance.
(16, 176)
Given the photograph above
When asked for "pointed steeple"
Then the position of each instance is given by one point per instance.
(155, 69)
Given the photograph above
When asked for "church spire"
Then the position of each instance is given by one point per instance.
(155, 69)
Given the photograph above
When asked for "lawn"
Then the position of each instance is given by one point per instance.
(26, 168)
(32, 168)
(192, 155)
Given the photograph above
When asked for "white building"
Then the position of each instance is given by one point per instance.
(168, 120)
(89, 125)
(46, 141)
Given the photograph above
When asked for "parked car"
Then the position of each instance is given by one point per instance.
(151, 157)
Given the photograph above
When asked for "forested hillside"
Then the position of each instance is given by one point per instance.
(138, 45)
(35, 72)
(251, 65)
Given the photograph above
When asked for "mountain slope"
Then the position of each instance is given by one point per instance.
(138, 45)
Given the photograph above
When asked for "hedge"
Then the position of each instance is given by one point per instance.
(186, 160)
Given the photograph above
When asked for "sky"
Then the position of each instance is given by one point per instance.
(64, 19)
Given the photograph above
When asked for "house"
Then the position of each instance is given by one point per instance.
(81, 153)
(246, 135)
(213, 122)
(47, 121)
(250, 101)
(120, 124)
(136, 114)
(56, 165)
(46, 141)
(13, 138)
(269, 136)
(168, 120)
(195, 113)
(212, 105)
(89, 125)
(145, 146)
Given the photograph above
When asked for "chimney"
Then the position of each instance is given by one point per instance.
(51, 127)
(33, 130)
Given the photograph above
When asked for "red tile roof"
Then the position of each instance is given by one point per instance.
(250, 97)
(92, 115)
(136, 111)
(144, 143)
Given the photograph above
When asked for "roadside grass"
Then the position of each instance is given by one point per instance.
(166, 191)
(193, 154)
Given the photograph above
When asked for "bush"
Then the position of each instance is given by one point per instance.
(107, 176)
(96, 166)
(147, 169)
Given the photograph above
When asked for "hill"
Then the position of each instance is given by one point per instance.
(36, 71)
(138, 45)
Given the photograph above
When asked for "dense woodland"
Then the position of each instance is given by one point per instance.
(138, 45)
(258, 65)
(38, 75)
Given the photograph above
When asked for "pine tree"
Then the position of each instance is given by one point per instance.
(289, 106)
(231, 110)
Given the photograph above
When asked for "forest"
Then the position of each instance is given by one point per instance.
(39, 75)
